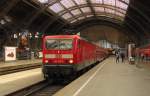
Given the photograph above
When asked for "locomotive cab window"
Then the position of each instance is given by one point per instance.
(56, 44)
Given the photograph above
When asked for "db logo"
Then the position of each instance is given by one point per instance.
(10, 54)
(58, 56)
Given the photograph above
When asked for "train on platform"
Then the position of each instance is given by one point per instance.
(145, 52)
(64, 55)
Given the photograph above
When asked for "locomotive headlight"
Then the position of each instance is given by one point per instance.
(70, 61)
(67, 55)
(46, 61)
(49, 55)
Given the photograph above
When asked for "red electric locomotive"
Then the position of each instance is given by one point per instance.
(68, 54)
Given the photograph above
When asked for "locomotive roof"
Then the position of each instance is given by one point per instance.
(67, 36)
(63, 36)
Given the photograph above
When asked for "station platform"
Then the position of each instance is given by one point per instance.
(11, 83)
(110, 79)
(19, 65)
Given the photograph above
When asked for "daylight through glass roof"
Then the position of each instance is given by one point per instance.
(75, 10)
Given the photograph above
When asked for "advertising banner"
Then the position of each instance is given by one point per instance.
(10, 53)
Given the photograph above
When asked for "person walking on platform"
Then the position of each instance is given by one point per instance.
(117, 57)
(122, 56)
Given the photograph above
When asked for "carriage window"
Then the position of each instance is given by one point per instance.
(65, 44)
(59, 44)
(52, 44)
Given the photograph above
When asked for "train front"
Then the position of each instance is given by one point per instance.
(58, 56)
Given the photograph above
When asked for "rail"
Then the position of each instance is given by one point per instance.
(13, 69)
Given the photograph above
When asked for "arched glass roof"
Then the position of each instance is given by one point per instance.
(76, 10)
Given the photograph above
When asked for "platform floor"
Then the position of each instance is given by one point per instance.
(18, 65)
(110, 79)
(16, 81)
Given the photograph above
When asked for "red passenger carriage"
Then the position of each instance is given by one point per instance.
(145, 51)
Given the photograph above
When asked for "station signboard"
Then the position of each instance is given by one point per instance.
(10, 53)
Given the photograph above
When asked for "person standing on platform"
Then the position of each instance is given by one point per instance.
(142, 56)
(117, 56)
(122, 56)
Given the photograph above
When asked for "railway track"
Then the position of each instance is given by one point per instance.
(13, 69)
(48, 91)
(47, 88)
(42, 89)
